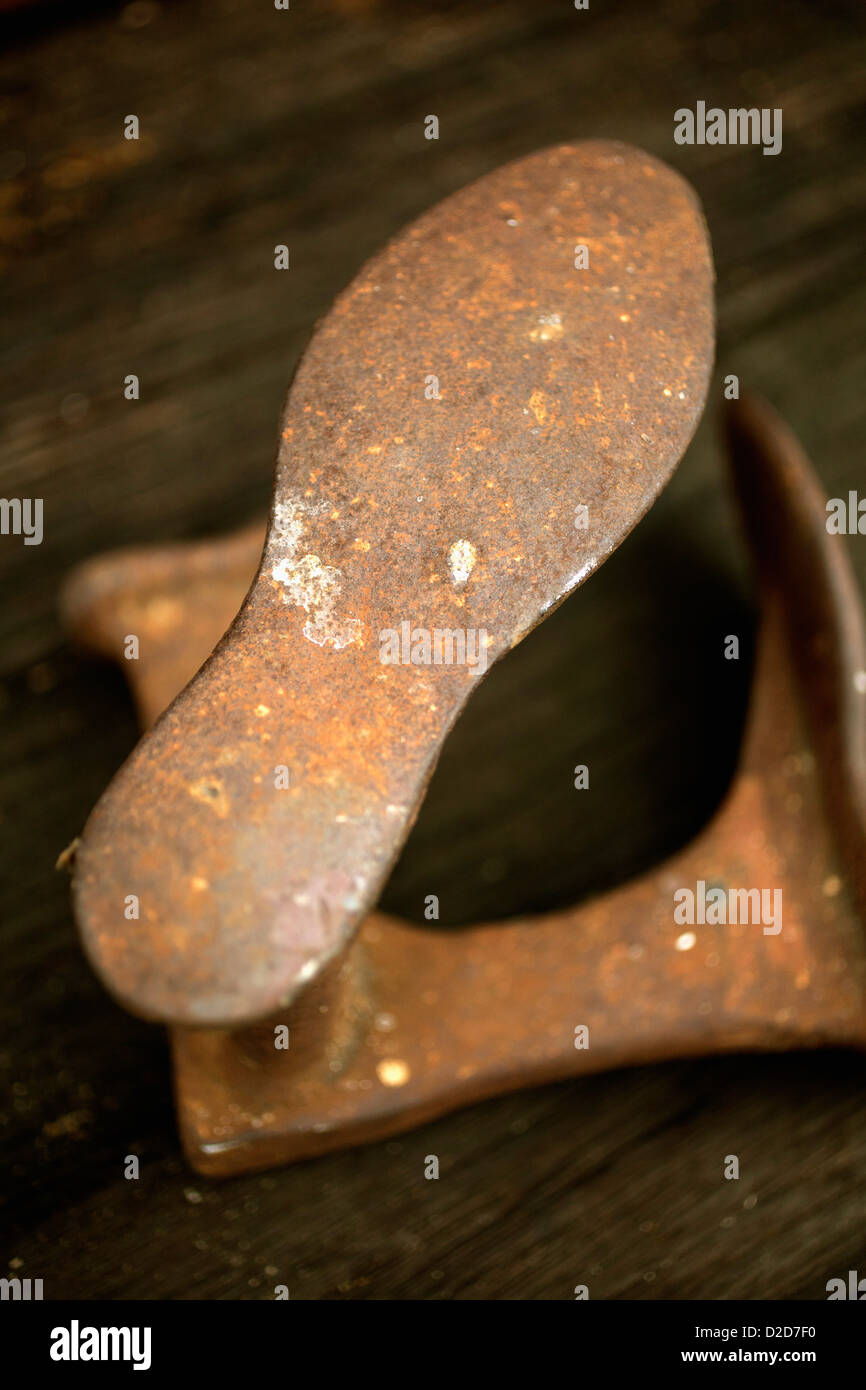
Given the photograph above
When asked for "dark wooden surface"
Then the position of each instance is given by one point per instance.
(156, 258)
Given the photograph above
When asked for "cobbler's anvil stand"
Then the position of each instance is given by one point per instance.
(574, 377)
(410, 1023)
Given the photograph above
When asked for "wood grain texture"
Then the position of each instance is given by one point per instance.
(261, 127)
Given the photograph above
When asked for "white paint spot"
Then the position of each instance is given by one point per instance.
(288, 523)
(307, 583)
(461, 560)
(685, 942)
